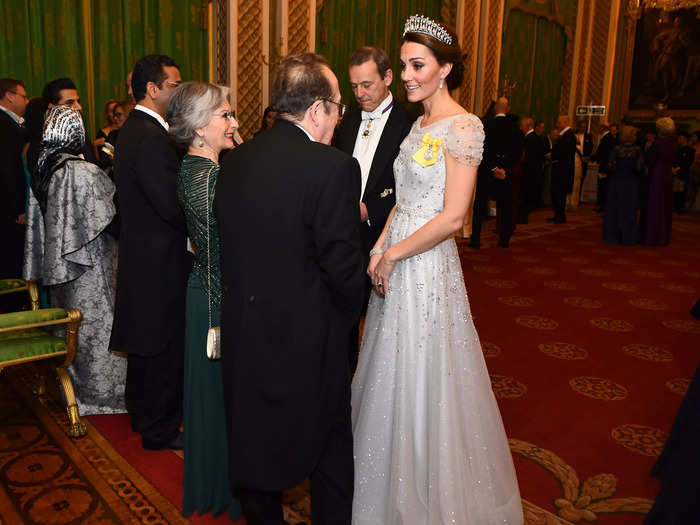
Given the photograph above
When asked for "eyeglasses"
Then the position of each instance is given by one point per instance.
(24, 95)
(342, 108)
(173, 84)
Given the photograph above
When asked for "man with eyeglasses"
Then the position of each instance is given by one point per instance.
(293, 279)
(373, 134)
(154, 264)
(13, 102)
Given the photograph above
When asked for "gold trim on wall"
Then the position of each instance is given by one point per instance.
(89, 63)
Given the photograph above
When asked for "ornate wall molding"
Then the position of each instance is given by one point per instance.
(492, 55)
(467, 23)
(249, 76)
(219, 65)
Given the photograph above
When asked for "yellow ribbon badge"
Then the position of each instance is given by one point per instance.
(428, 153)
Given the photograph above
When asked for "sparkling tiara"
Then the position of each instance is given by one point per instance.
(423, 24)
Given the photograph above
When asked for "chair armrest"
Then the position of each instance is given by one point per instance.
(33, 318)
(8, 286)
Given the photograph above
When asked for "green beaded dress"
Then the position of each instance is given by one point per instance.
(206, 481)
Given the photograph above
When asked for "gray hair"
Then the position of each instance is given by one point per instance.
(191, 106)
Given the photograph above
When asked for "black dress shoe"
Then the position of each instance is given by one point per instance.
(474, 245)
(550, 219)
(560, 221)
(177, 443)
(503, 244)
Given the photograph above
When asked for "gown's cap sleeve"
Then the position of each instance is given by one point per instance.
(465, 140)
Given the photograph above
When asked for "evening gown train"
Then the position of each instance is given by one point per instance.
(430, 447)
(206, 482)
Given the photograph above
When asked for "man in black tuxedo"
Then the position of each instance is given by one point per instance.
(502, 149)
(154, 264)
(293, 282)
(532, 166)
(13, 102)
(584, 149)
(372, 134)
(563, 151)
(608, 141)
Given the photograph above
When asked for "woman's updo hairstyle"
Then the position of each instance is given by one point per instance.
(442, 51)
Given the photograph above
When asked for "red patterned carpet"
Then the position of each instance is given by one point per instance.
(590, 348)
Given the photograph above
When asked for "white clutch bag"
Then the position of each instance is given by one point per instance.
(214, 343)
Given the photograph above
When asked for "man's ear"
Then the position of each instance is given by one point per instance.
(152, 89)
(388, 77)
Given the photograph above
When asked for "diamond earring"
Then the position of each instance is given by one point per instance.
(441, 83)
(201, 142)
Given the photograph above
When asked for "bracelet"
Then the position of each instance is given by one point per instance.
(375, 251)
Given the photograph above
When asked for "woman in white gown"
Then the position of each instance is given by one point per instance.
(430, 447)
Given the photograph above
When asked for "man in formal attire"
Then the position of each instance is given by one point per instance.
(607, 142)
(502, 149)
(293, 283)
(563, 152)
(532, 166)
(13, 102)
(372, 134)
(538, 194)
(154, 264)
(584, 149)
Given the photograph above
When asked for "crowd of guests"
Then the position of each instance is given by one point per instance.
(641, 180)
(222, 283)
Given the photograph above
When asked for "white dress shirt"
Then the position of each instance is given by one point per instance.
(366, 146)
(155, 115)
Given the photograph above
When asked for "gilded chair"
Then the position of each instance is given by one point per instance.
(26, 337)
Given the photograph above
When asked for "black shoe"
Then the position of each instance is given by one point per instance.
(559, 221)
(177, 443)
(474, 245)
(503, 244)
(550, 219)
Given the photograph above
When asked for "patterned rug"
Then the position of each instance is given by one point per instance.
(590, 349)
(48, 478)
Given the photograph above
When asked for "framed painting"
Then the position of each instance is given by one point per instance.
(663, 63)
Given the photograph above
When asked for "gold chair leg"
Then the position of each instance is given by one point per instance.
(77, 427)
(40, 384)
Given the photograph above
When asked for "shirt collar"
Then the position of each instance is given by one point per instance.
(567, 128)
(501, 115)
(155, 115)
(530, 131)
(304, 130)
(380, 110)
(14, 116)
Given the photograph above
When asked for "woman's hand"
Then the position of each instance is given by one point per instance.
(381, 271)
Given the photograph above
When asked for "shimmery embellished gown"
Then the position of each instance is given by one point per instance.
(430, 447)
(206, 483)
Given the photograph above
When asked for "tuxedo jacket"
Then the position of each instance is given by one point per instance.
(533, 160)
(502, 145)
(293, 282)
(153, 260)
(12, 181)
(380, 190)
(563, 152)
(602, 154)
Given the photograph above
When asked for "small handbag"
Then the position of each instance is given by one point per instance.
(214, 332)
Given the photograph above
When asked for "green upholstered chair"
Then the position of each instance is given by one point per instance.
(8, 286)
(26, 337)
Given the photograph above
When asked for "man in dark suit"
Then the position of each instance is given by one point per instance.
(149, 315)
(563, 151)
(602, 156)
(532, 166)
(372, 134)
(13, 102)
(502, 149)
(584, 149)
(293, 283)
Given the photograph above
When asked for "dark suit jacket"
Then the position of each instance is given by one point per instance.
(293, 282)
(153, 260)
(502, 145)
(563, 152)
(533, 161)
(602, 154)
(12, 181)
(381, 174)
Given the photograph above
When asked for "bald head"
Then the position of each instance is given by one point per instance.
(501, 106)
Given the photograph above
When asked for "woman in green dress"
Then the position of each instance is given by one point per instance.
(201, 120)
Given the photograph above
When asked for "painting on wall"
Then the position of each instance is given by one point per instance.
(666, 62)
